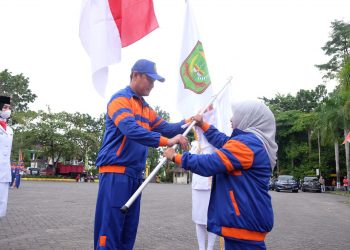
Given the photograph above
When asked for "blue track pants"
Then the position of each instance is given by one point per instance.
(113, 229)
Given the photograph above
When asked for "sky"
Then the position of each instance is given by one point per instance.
(267, 46)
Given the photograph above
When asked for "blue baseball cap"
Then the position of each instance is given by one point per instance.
(147, 67)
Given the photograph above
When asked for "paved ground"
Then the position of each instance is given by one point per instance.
(49, 215)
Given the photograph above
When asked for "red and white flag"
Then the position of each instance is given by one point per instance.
(347, 138)
(108, 25)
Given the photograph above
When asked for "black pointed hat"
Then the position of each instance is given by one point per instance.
(5, 99)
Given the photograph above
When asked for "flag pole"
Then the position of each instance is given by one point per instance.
(127, 205)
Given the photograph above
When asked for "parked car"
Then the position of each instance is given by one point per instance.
(33, 171)
(311, 183)
(286, 183)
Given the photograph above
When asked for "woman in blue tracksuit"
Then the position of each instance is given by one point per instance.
(240, 207)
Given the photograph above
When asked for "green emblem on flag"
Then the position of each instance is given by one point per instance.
(194, 70)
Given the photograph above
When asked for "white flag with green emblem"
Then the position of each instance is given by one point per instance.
(194, 90)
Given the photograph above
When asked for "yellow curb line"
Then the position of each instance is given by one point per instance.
(50, 179)
(47, 179)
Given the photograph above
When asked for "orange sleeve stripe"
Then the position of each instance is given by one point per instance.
(225, 161)
(121, 117)
(121, 146)
(163, 141)
(117, 103)
(103, 241)
(178, 159)
(152, 114)
(235, 205)
(205, 126)
(157, 123)
(242, 234)
(143, 124)
(242, 152)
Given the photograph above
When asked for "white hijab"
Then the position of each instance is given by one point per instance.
(255, 117)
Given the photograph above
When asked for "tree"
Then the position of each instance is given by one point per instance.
(17, 87)
(296, 119)
(59, 136)
(332, 122)
(344, 79)
(344, 75)
(305, 100)
(48, 134)
(155, 153)
(337, 48)
(23, 136)
(163, 114)
(84, 133)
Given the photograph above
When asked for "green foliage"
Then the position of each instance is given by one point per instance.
(153, 157)
(296, 150)
(344, 75)
(16, 86)
(59, 136)
(304, 101)
(154, 154)
(163, 114)
(297, 121)
(311, 114)
(337, 48)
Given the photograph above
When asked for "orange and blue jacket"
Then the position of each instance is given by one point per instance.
(240, 206)
(131, 127)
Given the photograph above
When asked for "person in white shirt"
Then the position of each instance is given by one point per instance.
(6, 138)
(201, 188)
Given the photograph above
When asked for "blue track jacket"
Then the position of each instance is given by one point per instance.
(131, 127)
(240, 206)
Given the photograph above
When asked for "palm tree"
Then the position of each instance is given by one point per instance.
(344, 79)
(331, 122)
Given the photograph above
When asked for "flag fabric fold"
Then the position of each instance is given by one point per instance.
(223, 111)
(194, 89)
(134, 19)
(108, 25)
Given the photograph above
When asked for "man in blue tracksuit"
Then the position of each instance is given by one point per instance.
(240, 207)
(131, 127)
(18, 175)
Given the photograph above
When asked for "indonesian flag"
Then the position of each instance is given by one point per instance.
(108, 25)
(347, 138)
(194, 89)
